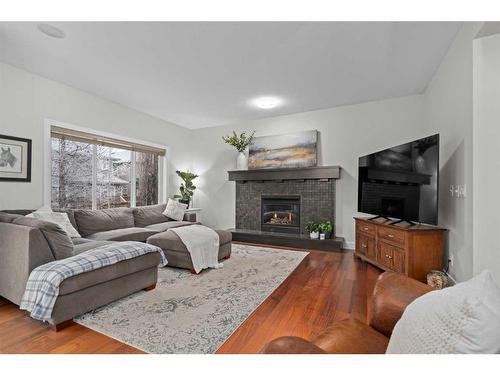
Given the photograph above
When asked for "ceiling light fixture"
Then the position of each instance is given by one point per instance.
(51, 31)
(267, 102)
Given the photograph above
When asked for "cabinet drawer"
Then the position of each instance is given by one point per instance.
(365, 245)
(366, 228)
(391, 257)
(392, 235)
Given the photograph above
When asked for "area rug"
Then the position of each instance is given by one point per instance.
(189, 313)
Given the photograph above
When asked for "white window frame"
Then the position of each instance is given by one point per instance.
(47, 167)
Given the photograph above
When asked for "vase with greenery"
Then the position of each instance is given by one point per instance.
(325, 229)
(187, 188)
(240, 142)
(312, 229)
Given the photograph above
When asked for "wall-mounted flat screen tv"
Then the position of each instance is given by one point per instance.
(401, 182)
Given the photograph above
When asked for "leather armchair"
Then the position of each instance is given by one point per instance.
(392, 293)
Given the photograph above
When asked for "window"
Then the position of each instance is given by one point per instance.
(88, 171)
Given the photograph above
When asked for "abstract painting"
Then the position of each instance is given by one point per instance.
(15, 159)
(294, 150)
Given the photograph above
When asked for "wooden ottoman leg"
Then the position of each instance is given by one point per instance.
(60, 326)
(148, 288)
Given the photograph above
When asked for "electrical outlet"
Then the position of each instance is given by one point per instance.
(452, 190)
(460, 191)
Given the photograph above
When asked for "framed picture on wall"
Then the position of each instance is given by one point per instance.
(15, 159)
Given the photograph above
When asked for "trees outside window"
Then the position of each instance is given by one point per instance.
(86, 175)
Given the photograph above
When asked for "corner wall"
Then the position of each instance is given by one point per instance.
(26, 100)
(486, 161)
(448, 110)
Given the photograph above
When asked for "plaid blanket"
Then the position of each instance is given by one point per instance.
(42, 288)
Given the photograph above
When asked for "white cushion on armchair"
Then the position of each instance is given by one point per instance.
(464, 318)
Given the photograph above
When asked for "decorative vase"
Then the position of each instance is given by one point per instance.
(420, 164)
(314, 235)
(322, 236)
(242, 161)
(185, 202)
(325, 235)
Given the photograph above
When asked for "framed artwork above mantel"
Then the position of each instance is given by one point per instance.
(15, 159)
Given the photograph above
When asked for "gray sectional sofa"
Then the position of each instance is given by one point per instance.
(26, 243)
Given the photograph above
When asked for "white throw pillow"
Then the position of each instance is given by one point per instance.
(464, 318)
(59, 218)
(175, 210)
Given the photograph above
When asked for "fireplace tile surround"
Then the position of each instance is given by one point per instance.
(317, 198)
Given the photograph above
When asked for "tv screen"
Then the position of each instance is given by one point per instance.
(401, 182)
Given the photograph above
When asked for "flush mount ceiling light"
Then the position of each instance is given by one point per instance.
(266, 102)
(51, 31)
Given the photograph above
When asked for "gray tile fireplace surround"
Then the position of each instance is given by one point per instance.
(317, 200)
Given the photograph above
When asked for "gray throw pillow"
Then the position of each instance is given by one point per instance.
(59, 242)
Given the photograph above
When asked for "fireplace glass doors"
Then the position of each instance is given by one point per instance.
(280, 213)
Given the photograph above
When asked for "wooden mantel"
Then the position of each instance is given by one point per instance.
(280, 174)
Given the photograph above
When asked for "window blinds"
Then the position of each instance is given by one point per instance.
(78, 136)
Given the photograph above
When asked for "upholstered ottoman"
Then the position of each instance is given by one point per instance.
(178, 255)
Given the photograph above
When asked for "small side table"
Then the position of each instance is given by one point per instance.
(195, 211)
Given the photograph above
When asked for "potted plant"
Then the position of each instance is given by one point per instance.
(241, 143)
(312, 229)
(325, 230)
(187, 188)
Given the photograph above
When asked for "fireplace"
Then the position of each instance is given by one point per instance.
(280, 213)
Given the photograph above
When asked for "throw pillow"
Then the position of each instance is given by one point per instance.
(464, 318)
(59, 218)
(175, 210)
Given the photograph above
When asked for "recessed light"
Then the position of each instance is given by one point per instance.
(51, 31)
(267, 102)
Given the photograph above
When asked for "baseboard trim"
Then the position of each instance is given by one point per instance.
(349, 245)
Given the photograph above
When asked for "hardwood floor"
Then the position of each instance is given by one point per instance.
(324, 288)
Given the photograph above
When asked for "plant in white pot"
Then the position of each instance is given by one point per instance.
(312, 229)
(240, 142)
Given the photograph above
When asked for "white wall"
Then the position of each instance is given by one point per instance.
(448, 109)
(345, 134)
(486, 160)
(27, 99)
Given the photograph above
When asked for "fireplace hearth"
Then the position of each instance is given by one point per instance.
(280, 213)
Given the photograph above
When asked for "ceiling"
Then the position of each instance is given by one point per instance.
(204, 74)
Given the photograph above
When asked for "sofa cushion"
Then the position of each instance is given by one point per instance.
(148, 215)
(169, 240)
(162, 227)
(81, 247)
(124, 234)
(461, 319)
(59, 242)
(8, 218)
(112, 272)
(93, 221)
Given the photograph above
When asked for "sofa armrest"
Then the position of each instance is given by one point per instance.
(291, 345)
(22, 249)
(392, 293)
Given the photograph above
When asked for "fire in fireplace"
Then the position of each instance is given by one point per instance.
(280, 213)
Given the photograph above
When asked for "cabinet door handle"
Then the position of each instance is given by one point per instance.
(390, 235)
(364, 246)
(366, 228)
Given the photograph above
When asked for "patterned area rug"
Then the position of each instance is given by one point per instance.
(195, 313)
